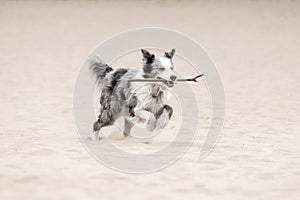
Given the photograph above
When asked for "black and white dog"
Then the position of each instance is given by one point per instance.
(140, 103)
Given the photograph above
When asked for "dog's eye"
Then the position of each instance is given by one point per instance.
(161, 69)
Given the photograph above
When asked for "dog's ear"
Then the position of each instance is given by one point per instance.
(170, 54)
(147, 57)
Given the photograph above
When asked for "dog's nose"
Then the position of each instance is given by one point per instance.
(173, 78)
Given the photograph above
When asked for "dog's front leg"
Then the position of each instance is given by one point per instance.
(144, 118)
(127, 127)
(163, 117)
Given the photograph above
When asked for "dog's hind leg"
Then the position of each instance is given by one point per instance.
(127, 127)
(105, 119)
(96, 129)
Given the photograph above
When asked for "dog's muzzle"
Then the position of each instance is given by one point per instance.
(168, 83)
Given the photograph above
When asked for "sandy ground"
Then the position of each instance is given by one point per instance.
(256, 47)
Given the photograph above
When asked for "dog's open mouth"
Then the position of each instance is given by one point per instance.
(166, 82)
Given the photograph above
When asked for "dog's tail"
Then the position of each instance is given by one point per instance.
(99, 69)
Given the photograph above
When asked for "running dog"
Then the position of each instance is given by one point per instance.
(140, 103)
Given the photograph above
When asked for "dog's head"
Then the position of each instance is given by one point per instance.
(159, 67)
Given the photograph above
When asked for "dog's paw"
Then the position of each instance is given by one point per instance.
(95, 136)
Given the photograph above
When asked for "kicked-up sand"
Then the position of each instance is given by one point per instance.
(256, 48)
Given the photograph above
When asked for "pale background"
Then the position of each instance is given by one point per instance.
(256, 47)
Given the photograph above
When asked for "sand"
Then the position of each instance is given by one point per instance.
(256, 47)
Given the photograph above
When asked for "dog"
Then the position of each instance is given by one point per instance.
(140, 103)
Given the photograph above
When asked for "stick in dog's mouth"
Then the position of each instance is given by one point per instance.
(166, 82)
(159, 79)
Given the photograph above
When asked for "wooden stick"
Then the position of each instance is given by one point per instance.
(191, 79)
(163, 80)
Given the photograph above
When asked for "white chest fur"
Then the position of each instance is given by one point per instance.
(151, 96)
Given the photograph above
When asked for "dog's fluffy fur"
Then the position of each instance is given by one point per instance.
(140, 103)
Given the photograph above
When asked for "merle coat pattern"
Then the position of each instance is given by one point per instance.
(140, 103)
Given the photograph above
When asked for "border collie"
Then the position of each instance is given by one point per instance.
(140, 103)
